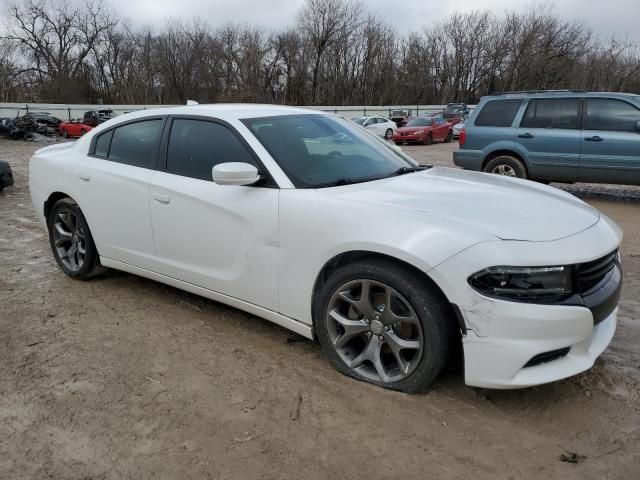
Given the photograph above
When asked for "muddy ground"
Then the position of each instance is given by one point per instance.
(122, 377)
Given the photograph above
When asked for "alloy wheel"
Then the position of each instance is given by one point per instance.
(69, 240)
(374, 330)
(503, 169)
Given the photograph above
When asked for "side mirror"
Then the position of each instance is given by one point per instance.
(235, 173)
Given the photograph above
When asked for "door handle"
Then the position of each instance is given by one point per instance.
(84, 176)
(595, 138)
(161, 198)
(525, 135)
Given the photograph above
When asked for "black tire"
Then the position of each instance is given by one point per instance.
(90, 266)
(507, 163)
(388, 135)
(65, 134)
(429, 140)
(449, 137)
(438, 328)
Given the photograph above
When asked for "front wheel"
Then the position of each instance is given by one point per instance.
(381, 323)
(388, 134)
(429, 140)
(65, 134)
(71, 241)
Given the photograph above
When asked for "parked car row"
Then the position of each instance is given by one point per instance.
(25, 126)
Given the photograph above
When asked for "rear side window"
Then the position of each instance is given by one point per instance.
(552, 113)
(102, 144)
(498, 113)
(609, 114)
(196, 146)
(136, 144)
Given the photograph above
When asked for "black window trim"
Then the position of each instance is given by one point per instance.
(267, 179)
(156, 156)
(581, 108)
(615, 99)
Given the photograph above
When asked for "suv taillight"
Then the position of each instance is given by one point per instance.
(463, 137)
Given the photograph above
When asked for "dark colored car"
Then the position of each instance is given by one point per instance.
(8, 129)
(562, 136)
(93, 118)
(424, 130)
(6, 176)
(400, 116)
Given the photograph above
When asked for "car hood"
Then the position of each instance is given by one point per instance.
(510, 209)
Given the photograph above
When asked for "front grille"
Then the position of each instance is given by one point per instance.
(547, 357)
(589, 274)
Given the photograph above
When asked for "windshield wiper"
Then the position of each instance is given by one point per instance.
(403, 170)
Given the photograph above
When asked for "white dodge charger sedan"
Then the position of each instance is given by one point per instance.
(308, 221)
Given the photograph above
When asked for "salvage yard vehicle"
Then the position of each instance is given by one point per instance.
(399, 117)
(6, 175)
(73, 129)
(311, 222)
(424, 130)
(561, 136)
(378, 125)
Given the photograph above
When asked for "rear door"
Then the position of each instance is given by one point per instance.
(550, 133)
(610, 142)
(113, 181)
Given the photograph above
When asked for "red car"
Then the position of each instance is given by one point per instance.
(425, 130)
(73, 128)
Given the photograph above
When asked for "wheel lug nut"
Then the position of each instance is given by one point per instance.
(366, 320)
(377, 317)
(381, 338)
(387, 328)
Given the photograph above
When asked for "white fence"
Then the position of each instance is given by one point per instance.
(68, 112)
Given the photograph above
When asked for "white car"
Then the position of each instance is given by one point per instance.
(382, 127)
(305, 220)
(457, 128)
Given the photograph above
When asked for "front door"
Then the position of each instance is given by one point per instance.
(220, 237)
(610, 142)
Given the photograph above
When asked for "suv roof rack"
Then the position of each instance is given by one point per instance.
(521, 92)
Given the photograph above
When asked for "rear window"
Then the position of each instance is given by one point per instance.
(498, 113)
(552, 113)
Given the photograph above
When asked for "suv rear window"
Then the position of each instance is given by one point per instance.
(498, 113)
(552, 113)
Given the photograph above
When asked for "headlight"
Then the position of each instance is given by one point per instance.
(417, 132)
(525, 284)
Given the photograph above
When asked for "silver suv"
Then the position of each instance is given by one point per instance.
(562, 136)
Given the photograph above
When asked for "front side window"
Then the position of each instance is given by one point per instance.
(552, 113)
(613, 115)
(498, 113)
(322, 150)
(196, 146)
(136, 144)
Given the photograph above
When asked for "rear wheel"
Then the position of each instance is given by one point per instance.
(508, 166)
(71, 241)
(383, 324)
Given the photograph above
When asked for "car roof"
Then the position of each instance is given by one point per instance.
(222, 111)
(562, 93)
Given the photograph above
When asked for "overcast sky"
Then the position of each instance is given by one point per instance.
(613, 17)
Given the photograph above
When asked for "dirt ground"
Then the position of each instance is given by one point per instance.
(122, 377)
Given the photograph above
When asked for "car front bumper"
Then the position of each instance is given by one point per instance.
(509, 344)
(409, 138)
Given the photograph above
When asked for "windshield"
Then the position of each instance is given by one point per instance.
(323, 150)
(360, 120)
(420, 122)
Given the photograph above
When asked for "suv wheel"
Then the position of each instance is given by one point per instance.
(507, 166)
(383, 324)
